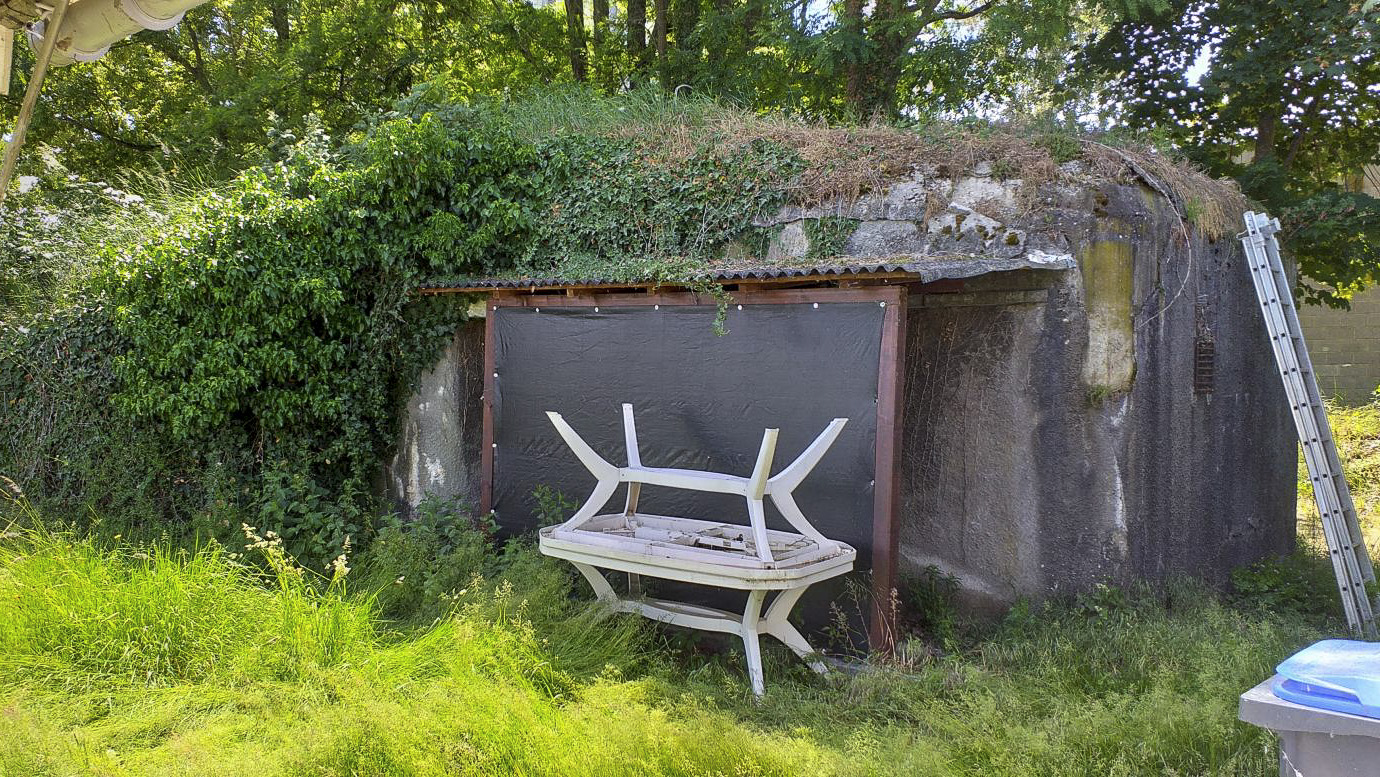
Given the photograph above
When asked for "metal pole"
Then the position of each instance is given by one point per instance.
(26, 111)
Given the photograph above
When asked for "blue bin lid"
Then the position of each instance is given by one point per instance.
(1341, 675)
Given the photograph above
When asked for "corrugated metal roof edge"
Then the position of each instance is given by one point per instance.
(924, 270)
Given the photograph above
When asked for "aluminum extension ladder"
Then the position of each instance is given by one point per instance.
(1345, 545)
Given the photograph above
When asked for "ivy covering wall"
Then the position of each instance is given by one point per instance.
(256, 346)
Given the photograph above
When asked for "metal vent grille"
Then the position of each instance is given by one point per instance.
(1204, 349)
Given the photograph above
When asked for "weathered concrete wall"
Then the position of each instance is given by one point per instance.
(1058, 429)
(442, 426)
(1055, 439)
(1345, 346)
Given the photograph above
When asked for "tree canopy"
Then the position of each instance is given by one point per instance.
(203, 98)
(1282, 95)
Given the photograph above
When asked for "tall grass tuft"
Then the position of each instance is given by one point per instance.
(1356, 431)
(80, 614)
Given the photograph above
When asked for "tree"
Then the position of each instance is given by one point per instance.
(902, 56)
(659, 28)
(637, 32)
(575, 38)
(1282, 95)
(198, 101)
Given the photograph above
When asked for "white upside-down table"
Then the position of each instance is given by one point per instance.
(749, 558)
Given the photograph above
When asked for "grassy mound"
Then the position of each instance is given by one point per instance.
(251, 347)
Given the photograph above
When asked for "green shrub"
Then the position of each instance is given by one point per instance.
(416, 568)
(60, 441)
(1300, 582)
(267, 333)
(828, 236)
(278, 317)
(552, 505)
(930, 599)
(622, 213)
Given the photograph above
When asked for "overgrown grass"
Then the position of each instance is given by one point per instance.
(844, 160)
(1303, 582)
(440, 654)
(1357, 433)
(138, 659)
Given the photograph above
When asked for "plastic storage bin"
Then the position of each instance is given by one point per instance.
(1341, 675)
(1325, 705)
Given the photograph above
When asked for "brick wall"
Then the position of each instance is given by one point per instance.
(1345, 346)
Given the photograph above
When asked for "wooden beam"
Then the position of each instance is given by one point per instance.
(6, 58)
(764, 297)
(887, 491)
(26, 110)
(486, 454)
(871, 278)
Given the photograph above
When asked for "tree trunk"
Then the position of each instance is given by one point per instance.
(1265, 128)
(637, 33)
(659, 30)
(687, 15)
(855, 67)
(601, 21)
(1296, 144)
(890, 40)
(881, 42)
(575, 34)
(1265, 138)
(281, 26)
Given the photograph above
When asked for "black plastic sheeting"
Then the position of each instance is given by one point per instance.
(701, 402)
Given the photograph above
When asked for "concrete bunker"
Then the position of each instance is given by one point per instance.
(1084, 389)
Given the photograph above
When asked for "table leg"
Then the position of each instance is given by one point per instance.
(776, 623)
(751, 623)
(601, 587)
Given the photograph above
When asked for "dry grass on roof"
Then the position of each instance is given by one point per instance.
(845, 162)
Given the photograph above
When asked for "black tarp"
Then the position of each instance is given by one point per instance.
(701, 402)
